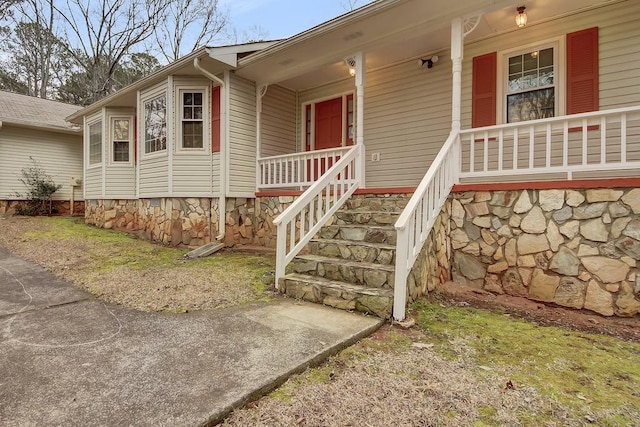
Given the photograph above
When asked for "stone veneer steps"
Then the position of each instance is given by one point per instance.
(351, 262)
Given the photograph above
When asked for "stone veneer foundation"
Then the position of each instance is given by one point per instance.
(175, 221)
(574, 248)
(61, 207)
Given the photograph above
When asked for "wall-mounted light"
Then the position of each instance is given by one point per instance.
(351, 63)
(521, 17)
(428, 62)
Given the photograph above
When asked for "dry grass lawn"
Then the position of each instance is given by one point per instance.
(458, 366)
(121, 269)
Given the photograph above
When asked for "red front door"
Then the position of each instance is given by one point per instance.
(328, 127)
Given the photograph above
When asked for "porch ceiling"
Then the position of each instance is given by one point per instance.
(389, 31)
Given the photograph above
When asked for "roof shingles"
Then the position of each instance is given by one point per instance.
(29, 110)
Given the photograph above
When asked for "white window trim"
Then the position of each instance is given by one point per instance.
(112, 161)
(315, 101)
(206, 119)
(144, 97)
(90, 123)
(559, 62)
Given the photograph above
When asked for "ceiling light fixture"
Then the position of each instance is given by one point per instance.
(521, 17)
(351, 63)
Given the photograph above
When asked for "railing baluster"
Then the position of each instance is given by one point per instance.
(565, 144)
(500, 148)
(472, 153)
(515, 148)
(603, 141)
(532, 137)
(623, 138)
(486, 152)
(548, 145)
(585, 147)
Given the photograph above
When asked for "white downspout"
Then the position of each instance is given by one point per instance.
(223, 142)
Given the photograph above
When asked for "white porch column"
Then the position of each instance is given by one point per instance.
(261, 90)
(360, 83)
(457, 47)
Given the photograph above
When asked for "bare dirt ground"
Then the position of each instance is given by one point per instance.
(543, 314)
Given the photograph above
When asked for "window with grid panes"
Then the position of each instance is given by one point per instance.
(531, 86)
(120, 141)
(192, 119)
(95, 143)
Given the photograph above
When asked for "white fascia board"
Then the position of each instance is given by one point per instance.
(229, 54)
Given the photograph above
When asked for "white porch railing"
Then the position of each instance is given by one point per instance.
(297, 169)
(417, 218)
(309, 212)
(598, 141)
(587, 142)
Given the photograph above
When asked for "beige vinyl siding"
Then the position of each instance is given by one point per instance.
(154, 167)
(278, 122)
(215, 174)
(120, 182)
(619, 58)
(619, 55)
(154, 173)
(192, 174)
(191, 169)
(120, 178)
(242, 137)
(93, 183)
(60, 155)
(407, 118)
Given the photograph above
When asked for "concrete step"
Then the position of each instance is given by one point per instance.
(360, 233)
(338, 294)
(378, 253)
(366, 217)
(359, 273)
(393, 203)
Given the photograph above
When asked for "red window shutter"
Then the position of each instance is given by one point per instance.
(483, 98)
(215, 119)
(582, 71)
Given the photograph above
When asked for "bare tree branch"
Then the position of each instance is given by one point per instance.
(105, 31)
(187, 25)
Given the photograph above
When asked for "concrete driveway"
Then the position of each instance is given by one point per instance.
(67, 358)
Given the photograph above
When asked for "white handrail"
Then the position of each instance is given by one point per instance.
(296, 169)
(587, 142)
(418, 217)
(297, 224)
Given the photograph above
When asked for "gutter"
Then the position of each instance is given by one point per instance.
(222, 204)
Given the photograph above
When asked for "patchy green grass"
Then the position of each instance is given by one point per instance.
(484, 369)
(123, 269)
(591, 375)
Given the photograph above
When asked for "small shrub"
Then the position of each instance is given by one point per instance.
(40, 190)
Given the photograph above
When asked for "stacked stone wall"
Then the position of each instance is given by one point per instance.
(432, 267)
(574, 248)
(60, 207)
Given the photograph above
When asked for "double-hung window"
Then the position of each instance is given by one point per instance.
(95, 143)
(531, 86)
(120, 139)
(155, 124)
(192, 123)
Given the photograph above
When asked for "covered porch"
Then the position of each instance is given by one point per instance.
(415, 127)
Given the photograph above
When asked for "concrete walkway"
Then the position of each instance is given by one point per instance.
(69, 359)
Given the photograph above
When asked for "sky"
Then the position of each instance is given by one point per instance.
(284, 18)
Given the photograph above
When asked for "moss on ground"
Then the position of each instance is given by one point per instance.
(592, 375)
